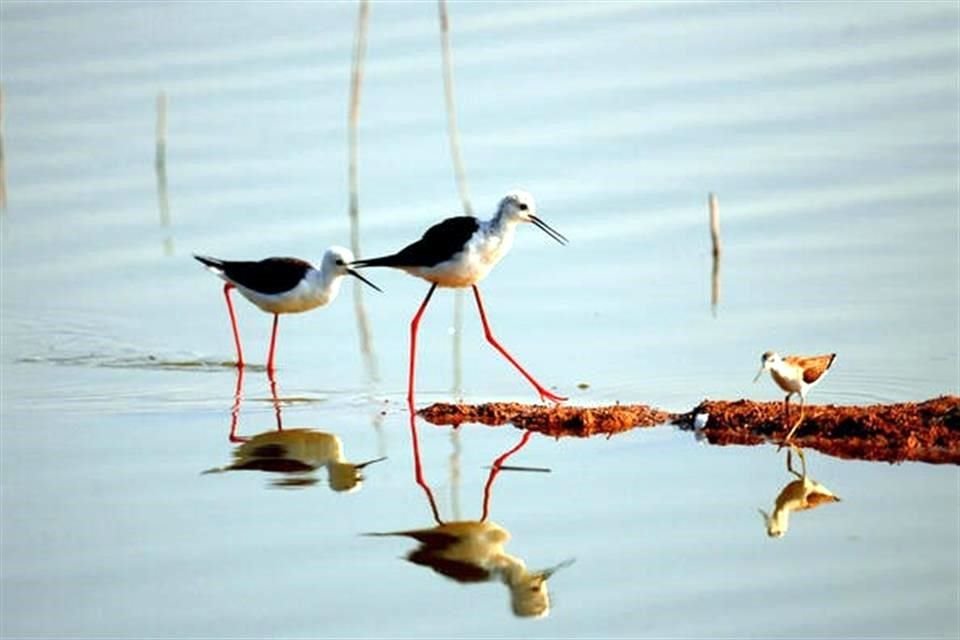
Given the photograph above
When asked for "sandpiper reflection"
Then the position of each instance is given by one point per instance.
(296, 453)
(798, 495)
(472, 551)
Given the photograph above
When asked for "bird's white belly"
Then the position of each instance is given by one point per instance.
(297, 300)
(794, 385)
(469, 266)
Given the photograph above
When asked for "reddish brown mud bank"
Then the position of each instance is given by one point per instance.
(926, 431)
(554, 421)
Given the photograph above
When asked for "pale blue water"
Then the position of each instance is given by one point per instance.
(830, 134)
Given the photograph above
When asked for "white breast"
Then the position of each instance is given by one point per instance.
(473, 263)
(305, 296)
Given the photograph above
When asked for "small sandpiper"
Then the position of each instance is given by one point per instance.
(794, 374)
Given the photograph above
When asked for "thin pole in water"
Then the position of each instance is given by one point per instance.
(353, 120)
(3, 164)
(715, 237)
(160, 166)
(460, 174)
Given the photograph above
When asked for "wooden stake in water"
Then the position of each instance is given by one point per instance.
(715, 237)
(452, 130)
(460, 174)
(3, 163)
(160, 166)
(353, 121)
(456, 449)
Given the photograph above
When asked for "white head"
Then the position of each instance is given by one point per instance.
(519, 206)
(336, 263)
(529, 596)
(346, 476)
(768, 361)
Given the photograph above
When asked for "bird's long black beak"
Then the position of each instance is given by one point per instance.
(546, 573)
(550, 231)
(368, 462)
(359, 277)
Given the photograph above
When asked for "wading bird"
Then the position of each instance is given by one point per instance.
(794, 374)
(282, 285)
(459, 252)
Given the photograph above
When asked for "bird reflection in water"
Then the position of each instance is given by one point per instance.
(798, 495)
(472, 551)
(295, 453)
(238, 399)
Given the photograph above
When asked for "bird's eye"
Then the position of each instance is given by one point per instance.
(340, 262)
(523, 206)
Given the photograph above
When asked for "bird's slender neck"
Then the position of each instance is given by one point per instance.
(780, 366)
(501, 224)
(325, 279)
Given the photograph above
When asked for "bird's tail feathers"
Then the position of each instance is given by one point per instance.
(207, 261)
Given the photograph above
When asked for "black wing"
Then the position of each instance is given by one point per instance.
(459, 570)
(273, 275)
(441, 242)
(276, 465)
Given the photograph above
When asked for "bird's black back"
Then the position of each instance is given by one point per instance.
(440, 242)
(269, 276)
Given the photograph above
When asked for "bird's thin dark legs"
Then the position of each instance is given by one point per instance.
(799, 420)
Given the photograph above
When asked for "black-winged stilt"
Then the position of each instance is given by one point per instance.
(282, 285)
(459, 252)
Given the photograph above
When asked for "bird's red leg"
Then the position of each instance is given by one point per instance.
(414, 326)
(418, 467)
(544, 393)
(273, 343)
(276, 399)
(495, 470)
(233, 323)
(235, 410)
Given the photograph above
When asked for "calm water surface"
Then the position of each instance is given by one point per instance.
(829, 133)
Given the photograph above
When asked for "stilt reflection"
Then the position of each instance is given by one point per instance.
(295, 453)
(471, 551)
